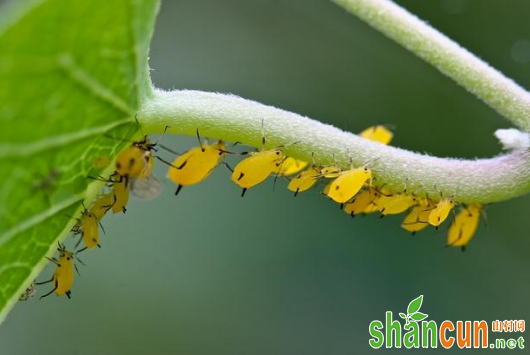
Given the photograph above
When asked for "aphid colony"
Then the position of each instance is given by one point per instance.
(353, 189)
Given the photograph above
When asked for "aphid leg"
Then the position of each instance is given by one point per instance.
(68, 294)
(77, 270)
(228, 167)
(79, 241)
(179, 187)
(169, 164)
(243, 192)
(296, 192)
(53, 260)
(52, 291)
(102, 229)
(108, 207)
(81, 250)
(44, 282)
(80, 261)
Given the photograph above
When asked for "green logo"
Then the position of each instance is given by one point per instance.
(412, 311)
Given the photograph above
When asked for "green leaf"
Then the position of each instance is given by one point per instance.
(415, 305)
(403, 315)
(419, 316)
(70, 72)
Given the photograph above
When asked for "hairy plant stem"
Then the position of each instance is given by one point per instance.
(235, 119)
(485, 82)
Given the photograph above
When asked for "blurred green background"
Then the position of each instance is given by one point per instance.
(209, 272)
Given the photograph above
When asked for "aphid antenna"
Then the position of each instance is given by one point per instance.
(289, 144)
(263, 133)
(160, 138)
(199, 140)
(312, 159)
(370, 162)
(98, 178)
(72, 217)
(406, 185)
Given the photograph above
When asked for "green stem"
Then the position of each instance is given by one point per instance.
(232, 118)
(499, 92)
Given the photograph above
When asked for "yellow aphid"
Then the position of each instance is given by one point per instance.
(102, 205)
(63, 277)
(256, 168)
(464, 226)
(349, 182)
(441, 211)
(330, 172)
(291, 166)
(196, 165)
(88, 226)
(395, 204)
(120, 192)
(361, 202)
(417, 219)
(378, 133)
(136, 160)
(305, 180)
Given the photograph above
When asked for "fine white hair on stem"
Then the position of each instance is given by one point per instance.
(491, 86)
(232, 118)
